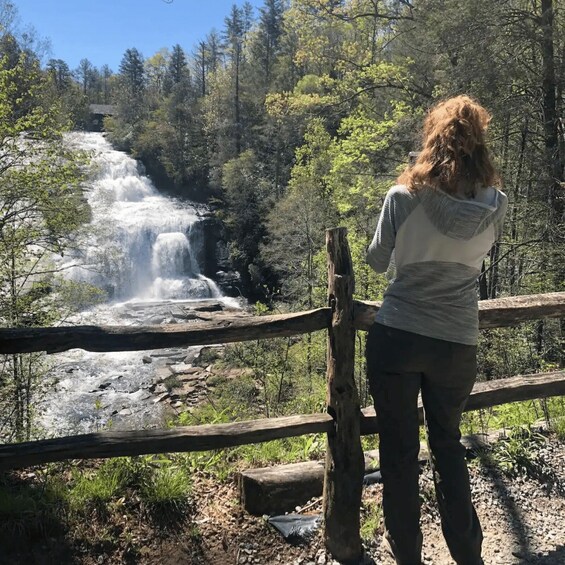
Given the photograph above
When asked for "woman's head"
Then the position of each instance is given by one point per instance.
(454, 155)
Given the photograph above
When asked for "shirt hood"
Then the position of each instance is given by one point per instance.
(462, 218)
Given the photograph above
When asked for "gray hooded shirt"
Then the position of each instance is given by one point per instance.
(435, 244)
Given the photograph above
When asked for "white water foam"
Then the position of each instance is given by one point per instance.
(143, 248)
(140, 244)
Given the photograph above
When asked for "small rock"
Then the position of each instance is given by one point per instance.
(162, 373)
(147, 359)
(184, 368)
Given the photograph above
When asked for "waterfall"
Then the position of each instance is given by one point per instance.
(143, 248)
(139, 244)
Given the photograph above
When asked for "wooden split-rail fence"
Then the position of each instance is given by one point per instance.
(344, 421)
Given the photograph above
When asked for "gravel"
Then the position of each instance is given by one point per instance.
(522, 516)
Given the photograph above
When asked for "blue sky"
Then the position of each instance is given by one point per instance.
(101, 30)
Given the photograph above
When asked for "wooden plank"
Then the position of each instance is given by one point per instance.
(514, 309)
(500, 312)
(225, 329)
(493, 393)
(343, 481)
(218, 436)
(127, 338)
(279, 489)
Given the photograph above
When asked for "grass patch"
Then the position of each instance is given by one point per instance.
(167, 491)
(76, 498)
(93, 491)
(31, 507)
(171, 382)
(516, 414)
(371, 518)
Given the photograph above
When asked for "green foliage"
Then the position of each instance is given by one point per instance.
(163, 487)
(70, 497)
(41, 208)
(248, 196)
(516, 453)
(95, 490)
(284, 377)
(167, 491)
(516, 414)
(371, 518)
(31, 510)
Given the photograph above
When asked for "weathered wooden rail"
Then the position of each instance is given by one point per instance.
(344, 421)
(492, 313)
(206, 437)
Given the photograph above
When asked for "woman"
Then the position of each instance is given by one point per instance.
(436, 227)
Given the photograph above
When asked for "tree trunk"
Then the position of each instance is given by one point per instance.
(549, 89)
(237, 116)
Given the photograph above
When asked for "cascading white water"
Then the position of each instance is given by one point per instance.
(143, 249)
(141, 244)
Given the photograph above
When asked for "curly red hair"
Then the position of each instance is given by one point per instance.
(454, 155)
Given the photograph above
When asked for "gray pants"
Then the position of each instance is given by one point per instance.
(400, 364)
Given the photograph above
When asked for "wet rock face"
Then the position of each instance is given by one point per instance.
(216, 259)
(229, 282)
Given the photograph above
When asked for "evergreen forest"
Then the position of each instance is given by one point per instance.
(291, 119)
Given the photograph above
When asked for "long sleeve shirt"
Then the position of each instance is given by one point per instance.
(436, 244)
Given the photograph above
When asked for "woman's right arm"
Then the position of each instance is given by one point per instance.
(380, 250)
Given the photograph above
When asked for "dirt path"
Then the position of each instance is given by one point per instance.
(523, 520)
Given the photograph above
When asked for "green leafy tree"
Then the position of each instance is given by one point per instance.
(131, 86)
(41, 206)
(177, 69)
(247, 195)
(85, 73)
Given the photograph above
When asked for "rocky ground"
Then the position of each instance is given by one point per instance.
(132, 390)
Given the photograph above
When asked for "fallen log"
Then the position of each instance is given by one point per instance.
(281, 488)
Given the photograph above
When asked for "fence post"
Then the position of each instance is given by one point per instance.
(344, 455)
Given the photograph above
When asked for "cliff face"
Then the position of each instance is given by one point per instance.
(215, 260)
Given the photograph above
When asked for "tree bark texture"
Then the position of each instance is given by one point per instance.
(344, 457)
(500, 312)
(497, 313)
(222, 329)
